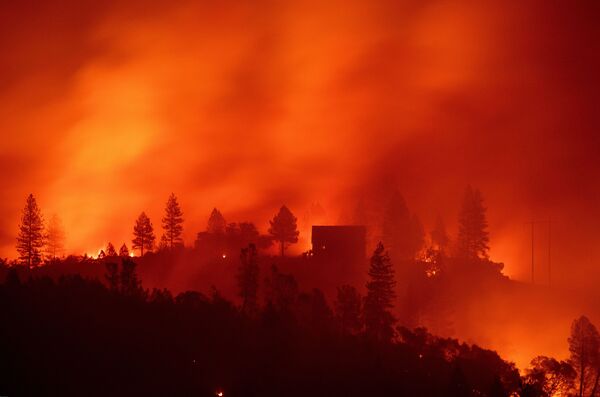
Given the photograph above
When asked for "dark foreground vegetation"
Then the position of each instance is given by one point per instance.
(86, 326)
(77, 337)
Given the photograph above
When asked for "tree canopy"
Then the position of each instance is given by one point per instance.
(247, 279)
(473, 236)
(124, 251)
(380, 297)
(143, 233)
(216, 222)
(30, 240)
(402, 231)
(172, 222)
(284, 228)
(584, 345)
(55, 238)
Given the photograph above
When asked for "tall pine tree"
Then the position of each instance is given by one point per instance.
(143, 233)
(172, 222)
(439, 235)
(110, 250)
(123, 251)
(402, 231)
(55, 238)
(216, 222)
(348, 309)
(248, 279)
(284, 228)
(30, 240)
(378, 317)
(473, 236)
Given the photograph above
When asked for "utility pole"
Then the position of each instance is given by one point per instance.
(549, 251)
(532, 249)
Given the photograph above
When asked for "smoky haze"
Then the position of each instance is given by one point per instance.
(107, 109)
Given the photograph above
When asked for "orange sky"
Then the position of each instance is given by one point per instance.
(106, 109)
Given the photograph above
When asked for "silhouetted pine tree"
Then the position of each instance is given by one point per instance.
(284, 228)
(172, 222)
(123, 251)
(110, 250)
(248, 279)
(112, 276)
(216, 222)
(348, 309)
(360, 213)
(55, 238)
(143, 233)
(473, 236)
(130, 283)
(30, 240)
(439, 235)
(281, 290)
(248, 232)
(402, 232)
(163, 244)
(378, 318)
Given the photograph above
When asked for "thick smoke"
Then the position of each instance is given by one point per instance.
(106, 109)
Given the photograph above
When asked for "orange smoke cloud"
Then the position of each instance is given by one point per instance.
(106, 109)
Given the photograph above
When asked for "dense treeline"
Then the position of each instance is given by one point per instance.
(386, 219)
(71, 333)
(39, 243)
(79, 336)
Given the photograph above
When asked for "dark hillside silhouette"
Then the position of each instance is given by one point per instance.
(285, 318)
(188, 342)
(300, 198)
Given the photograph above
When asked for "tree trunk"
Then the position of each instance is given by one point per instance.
(581, 375)
(593, 393)
(282, 248)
